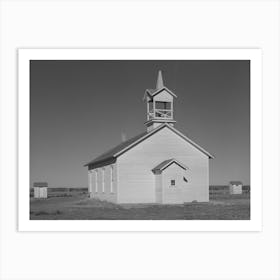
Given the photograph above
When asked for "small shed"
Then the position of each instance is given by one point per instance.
(40, 190)
(235, 187)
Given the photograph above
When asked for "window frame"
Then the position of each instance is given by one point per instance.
(111, 178)
(172, 183)
(103, 180)
(96, 180)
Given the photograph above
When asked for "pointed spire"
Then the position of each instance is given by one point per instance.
(159, 80)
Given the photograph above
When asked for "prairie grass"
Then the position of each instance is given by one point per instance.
(221, 206)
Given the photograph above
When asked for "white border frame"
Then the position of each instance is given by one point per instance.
(24, 57)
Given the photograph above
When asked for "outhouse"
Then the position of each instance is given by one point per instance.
(235, 187)
(40, 190)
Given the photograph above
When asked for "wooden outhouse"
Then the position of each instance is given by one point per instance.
(40, 190)
(235, 187)
(160, 165)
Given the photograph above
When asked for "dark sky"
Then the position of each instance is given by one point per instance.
(79, 109)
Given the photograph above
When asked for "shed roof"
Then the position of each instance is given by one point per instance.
(163, 165)
(40, 185)
(235, 182)
(111, 155)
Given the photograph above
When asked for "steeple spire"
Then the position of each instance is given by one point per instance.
(159, 80)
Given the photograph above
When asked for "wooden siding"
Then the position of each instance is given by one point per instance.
(235, 189)
(158, 184)
(163, 96)
(40, 192)
(137, 181)
(177, 193)
(103, 187)
(153, 126)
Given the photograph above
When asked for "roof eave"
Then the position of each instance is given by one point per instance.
(102, 162)
(168, 163)
(190, 141)
(147, 93)
(139, 140)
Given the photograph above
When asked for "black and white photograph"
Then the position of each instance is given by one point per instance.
(140, 140)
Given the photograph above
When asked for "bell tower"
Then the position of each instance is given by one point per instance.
(159, 105)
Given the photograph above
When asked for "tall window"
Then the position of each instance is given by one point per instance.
(89, 181)
(103, 180)
(96, 181)
(111, 178)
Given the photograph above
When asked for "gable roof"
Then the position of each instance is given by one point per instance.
(108, 157)
(163, 165)
(111, 155)
(153, 92)
(40, 185)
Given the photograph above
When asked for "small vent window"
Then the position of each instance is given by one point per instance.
(172, 183)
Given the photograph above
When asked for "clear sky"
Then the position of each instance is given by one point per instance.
(80, 109)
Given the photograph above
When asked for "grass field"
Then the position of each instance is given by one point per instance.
(75, 205)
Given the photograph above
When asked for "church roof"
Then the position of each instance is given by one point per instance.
(154, 92)
(108, 157)
(160, 167)
(111, 155)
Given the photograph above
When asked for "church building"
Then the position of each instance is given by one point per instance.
(161, 165)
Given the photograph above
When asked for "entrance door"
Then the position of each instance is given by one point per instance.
(173, 184)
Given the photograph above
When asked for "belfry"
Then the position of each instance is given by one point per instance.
(159, 105)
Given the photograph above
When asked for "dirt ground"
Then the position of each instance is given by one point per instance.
(80, 207)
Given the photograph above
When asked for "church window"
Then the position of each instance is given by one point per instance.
(103, 180)
(96, 181)
(112, 178)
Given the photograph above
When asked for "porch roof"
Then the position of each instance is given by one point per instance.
(163, 165)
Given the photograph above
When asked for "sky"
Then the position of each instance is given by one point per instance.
(80, 109)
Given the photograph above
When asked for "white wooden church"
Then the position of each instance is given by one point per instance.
(161, 165)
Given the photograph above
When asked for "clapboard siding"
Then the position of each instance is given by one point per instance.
(158, 183)
(137, 181)
(40, 192)
(173, 194)
(164, 96)
(235, 189)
